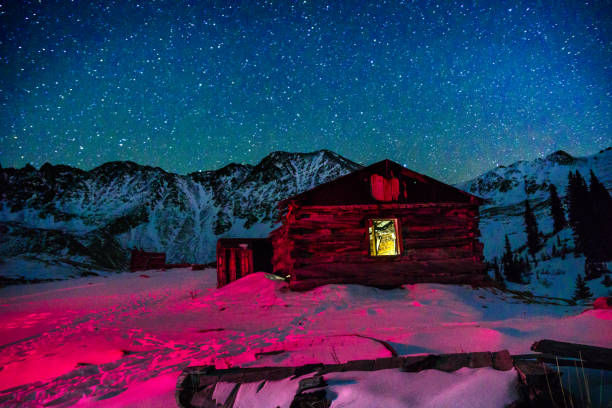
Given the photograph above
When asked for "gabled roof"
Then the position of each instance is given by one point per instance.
(355, 189)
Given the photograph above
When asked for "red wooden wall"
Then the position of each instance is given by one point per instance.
(238, 257)
(330, 244)
(143, 260)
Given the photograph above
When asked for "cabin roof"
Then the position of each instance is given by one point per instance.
(354, 188)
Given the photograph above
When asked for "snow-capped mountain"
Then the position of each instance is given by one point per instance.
(89, 219)
(506, 187)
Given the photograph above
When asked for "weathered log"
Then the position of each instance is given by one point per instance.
(196, 384)
(502, 360)
(319, 246)
(361, 256)
(310, 383)
(540, 386)
(433, 206)
(327, 246)
(532, 373)
(306, 279)
(318, 399)
(359, 233)
(451, 267)
(565, 362)
(440, 242)
(406, 220)
(593, 354)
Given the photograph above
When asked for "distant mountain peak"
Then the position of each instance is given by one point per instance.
(508, 184)
(561, 157)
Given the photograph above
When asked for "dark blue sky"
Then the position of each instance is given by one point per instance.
(449, 89)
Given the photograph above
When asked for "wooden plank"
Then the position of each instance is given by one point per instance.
(408, 221)
(394, 281)
(377, 188)
(232, 264)
(439, 242)
(360, 232)
(362, 256)
(391, 272)
(357, 218)
(361, 207)
(452, 212)
(594, 354)
(221, 281)
(408, 243)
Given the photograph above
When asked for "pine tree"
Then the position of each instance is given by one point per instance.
(556, 209)
(512, 265)
(564, 251)
(498, 276)
(507, 261)
(531, 229)
(599, 225)
(578, 210)
(525, 269)
(582, 291)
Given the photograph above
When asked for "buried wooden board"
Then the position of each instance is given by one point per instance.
(592, 354)
(195, 385)
(539, 385)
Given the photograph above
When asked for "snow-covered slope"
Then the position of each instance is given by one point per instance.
(122, 340)
(79, 220)
(506, 188)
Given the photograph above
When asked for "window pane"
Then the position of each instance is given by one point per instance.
(383, 237)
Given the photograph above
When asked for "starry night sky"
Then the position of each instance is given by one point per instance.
(447, 89)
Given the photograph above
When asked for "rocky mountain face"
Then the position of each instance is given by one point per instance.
(90, 219)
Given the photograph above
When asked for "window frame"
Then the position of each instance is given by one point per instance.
(398, 236)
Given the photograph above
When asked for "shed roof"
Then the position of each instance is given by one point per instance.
(355, 188)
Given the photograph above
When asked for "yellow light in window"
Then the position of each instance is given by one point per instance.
(383, 237)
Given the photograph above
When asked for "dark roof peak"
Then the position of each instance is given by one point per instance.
(355, 189)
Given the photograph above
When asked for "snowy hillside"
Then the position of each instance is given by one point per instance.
(505, 187)
(75, 221)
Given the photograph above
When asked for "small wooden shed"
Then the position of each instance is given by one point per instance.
(384, 226)
(238, 257)
(143, 260)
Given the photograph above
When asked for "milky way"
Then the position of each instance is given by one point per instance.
(447, 89)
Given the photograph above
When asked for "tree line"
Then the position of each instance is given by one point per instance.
(589, 214)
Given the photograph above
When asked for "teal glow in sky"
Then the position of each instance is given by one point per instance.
(449, 89)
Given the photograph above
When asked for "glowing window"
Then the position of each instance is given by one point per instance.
(384, 237)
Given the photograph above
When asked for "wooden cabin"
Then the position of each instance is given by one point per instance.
(143, 260)
(238, 257)
(384, 226)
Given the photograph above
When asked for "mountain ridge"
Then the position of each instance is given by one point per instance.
(61, 215)
(59, 212)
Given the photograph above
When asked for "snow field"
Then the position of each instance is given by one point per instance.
(122, 340)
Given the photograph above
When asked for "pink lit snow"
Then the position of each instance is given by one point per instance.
(122, 340)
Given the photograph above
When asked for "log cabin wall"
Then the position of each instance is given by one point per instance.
(317, 245)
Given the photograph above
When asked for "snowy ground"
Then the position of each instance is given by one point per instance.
(122, 340)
